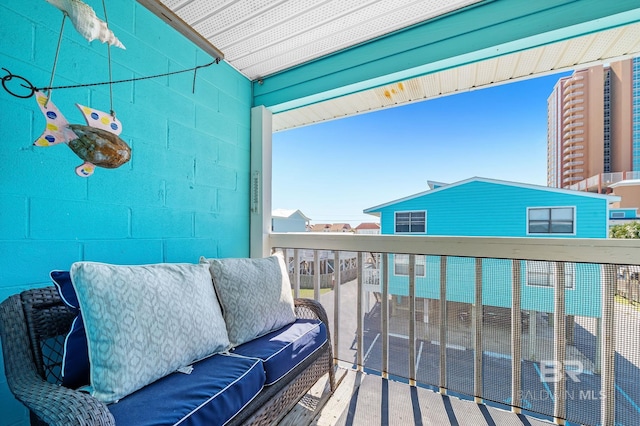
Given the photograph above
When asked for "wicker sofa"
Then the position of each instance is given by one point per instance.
(33, 325)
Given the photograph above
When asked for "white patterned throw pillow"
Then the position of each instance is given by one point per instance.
(144, 322)
(255, 295)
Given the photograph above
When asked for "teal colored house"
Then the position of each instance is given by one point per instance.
(491, 208)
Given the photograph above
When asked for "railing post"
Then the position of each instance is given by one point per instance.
(384, 313)
(516, 336)
(443, 325)
(316, 275)
(477, 330)
(360, 319)
(296, 273)
(608, 401)
(559, 345)
(336, 305)
(412, 319)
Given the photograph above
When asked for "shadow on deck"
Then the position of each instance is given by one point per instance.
(365, 399)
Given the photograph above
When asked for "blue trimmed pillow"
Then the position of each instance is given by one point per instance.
(145, 322)
(255, 295)
(75, 358)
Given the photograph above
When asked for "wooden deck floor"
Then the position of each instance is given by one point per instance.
(369, 400)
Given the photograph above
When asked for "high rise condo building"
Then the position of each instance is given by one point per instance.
(593, 140)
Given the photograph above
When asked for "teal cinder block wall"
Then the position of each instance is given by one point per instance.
(185, 192)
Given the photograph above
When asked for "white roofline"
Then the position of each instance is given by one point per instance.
(626, 182)
(281, 212)
(609, 198)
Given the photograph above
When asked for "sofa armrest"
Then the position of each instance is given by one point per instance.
(53, 404)
(311, 309)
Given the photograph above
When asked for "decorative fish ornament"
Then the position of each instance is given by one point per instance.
(97, 143)
(86, 22)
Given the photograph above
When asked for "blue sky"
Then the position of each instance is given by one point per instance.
(334, 170)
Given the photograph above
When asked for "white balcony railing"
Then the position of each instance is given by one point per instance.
(602, 180)
(460, 311)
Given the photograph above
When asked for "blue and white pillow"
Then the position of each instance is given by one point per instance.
(255, 295)
(145, 322)
(75, 359)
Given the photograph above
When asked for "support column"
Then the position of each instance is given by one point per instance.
(260, 181)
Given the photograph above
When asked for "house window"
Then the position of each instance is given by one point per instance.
(411, 222)
(401, 265)
(617, 215)
(545, 274)
(551, 220)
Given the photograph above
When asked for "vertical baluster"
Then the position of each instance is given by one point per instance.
(336, 305)
(296, 273)
(384, 313)
(516, 336)
(559, 345)
(360, 319)
(607, 357)
(412, 319)
(316, 275)
(443, 325)
(477, 333)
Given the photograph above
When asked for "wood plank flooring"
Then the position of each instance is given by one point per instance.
(368, 400)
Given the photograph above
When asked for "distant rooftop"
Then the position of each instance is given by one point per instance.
(368, 225)
(286, 213)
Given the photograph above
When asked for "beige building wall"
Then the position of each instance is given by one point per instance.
(630, 193)
(582, 105)
(576, 120)
(554, 136)
(622, 116)
(594, 117)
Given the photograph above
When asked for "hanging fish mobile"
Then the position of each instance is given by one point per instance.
(97, 143)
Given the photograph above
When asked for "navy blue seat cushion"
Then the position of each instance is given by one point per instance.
(75, 358)
(283, 349)
(218, 387)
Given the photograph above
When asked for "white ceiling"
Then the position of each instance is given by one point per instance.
(618, 43)
(264, 37)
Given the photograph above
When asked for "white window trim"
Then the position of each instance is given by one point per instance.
(554, 274)
(395, 219)
(575, 222)
(424, 257)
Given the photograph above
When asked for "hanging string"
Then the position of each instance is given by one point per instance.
(50, 88)
(106, 20)
(55, 60)
(32, 89)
